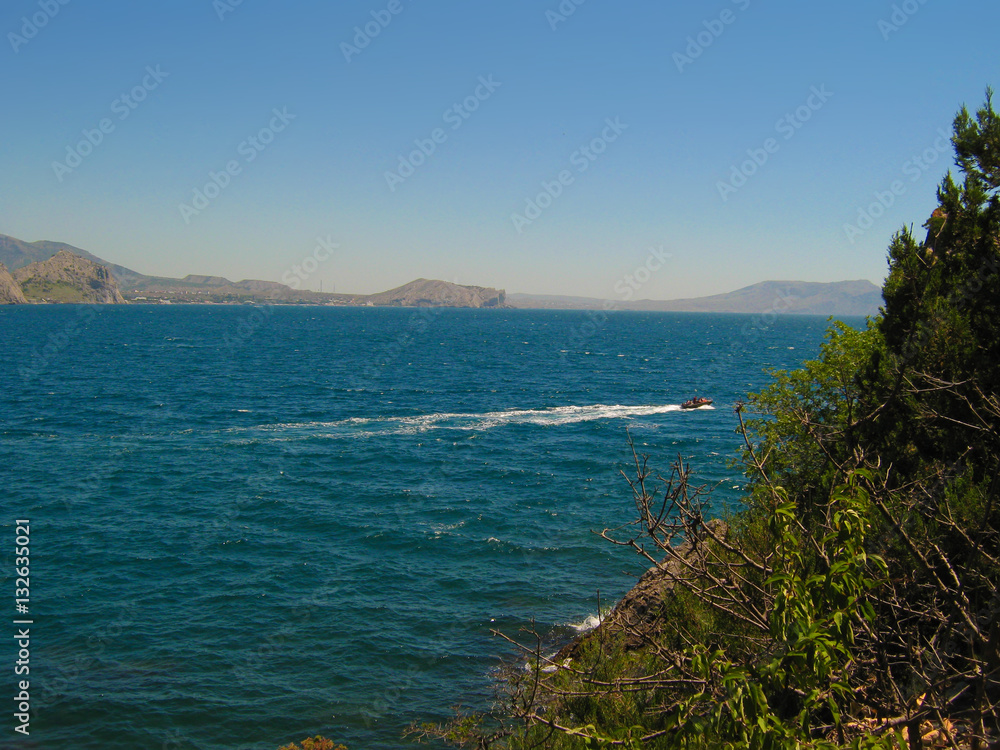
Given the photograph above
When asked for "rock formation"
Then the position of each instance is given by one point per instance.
(68, 278)
(10, 291)
(637, 615)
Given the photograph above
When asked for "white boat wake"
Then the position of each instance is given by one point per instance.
(551, 417)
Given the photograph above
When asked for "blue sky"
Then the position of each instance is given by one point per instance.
(820, 108)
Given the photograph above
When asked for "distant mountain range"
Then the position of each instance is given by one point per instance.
(804, 297)
(15, 254)
(18, 255)
(843, 298)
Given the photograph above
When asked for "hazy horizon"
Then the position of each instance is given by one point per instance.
(544, 149)
(626, 290)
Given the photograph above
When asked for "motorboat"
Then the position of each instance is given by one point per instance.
(696, 403)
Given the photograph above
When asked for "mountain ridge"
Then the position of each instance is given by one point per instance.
(857, 297)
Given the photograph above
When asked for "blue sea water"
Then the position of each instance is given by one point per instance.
(250, 525)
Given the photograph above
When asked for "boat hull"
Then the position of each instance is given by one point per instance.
(696, 403)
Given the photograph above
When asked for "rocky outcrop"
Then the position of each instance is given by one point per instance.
(68, 278)
(637, 616)
(10, 290)
(15, 253)
(431, 293)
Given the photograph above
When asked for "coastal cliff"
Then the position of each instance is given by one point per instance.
(10, 291)
(638, 617)
(68, 278)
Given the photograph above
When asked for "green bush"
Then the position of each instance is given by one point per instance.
(313, 743)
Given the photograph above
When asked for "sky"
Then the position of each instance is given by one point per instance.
(581, 147)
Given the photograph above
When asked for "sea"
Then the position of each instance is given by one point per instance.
(253, 524)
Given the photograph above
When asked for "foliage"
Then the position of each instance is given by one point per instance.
(940, 319)
(819, 403)
(56, 291)
(313, 743)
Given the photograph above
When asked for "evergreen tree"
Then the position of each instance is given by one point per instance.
(941, 318)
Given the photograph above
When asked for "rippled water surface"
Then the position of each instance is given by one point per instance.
(250, 525)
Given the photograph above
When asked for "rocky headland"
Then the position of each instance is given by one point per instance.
(67, 278)
(10, 290)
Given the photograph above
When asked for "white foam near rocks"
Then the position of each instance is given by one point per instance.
(588, 624)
